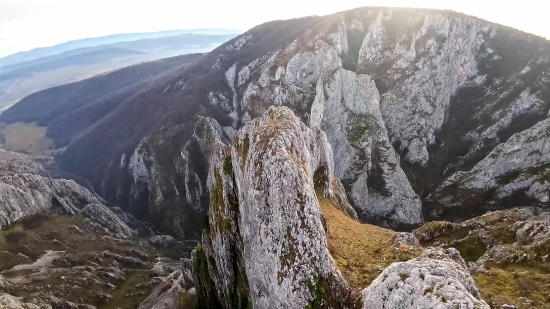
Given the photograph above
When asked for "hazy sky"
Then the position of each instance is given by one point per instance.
(27, 24)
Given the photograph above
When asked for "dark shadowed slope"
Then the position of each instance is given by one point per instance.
(69, 109)
(88, 58)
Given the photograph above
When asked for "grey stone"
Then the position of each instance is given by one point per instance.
(436, 279)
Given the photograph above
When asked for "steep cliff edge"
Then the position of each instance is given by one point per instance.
(281, 234)
(264, 214)
(515, 173)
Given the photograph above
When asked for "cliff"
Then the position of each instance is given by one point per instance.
(273, 232)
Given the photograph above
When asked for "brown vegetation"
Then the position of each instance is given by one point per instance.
(361, 251)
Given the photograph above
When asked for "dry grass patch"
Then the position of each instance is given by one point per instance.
(361, 251)
(507, 285)
(26, 138)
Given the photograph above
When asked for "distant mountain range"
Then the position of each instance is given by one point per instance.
(90, 42)
(24, 73)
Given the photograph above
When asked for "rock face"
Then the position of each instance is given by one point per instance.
(438, 278)
(407, 97)
(174, 187)
(27, 194)
(516, 171)
(265, 245)
(9, 302)
(103, 216)
(27, 189)
(348, 105)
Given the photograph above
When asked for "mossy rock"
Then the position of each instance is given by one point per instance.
(359, 127)
(471, 248)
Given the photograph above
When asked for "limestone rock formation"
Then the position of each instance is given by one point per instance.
(161, 241)
(438, 278)
(515, 171)
(174, 186)
(9, 302)
(101, 215)
(346, 105)
(28, 187)
(265, 244)
(26, 194)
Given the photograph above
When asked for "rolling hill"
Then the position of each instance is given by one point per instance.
(41, 70)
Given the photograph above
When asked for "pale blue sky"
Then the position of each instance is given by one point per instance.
(27, 24)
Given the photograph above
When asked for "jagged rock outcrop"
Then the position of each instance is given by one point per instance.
(346, 105)
(174, 186)
(438, 278)
(514, 172)
(27, 188)
(26, 194)
(160, 241)
(9, 302)
(101, 215)
(265, 245)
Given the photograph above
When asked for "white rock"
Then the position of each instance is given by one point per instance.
(279, 167)
(436, 279)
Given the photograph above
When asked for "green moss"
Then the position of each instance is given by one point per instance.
(228, 165)
(233, 202)
(359, 127)
(243, 146)
(240, 294)
(504, 284)
(503, 233)
(471, 248)
(187, 300)
(317, 294)
(216, 195)
(441, 232)
(206, 297)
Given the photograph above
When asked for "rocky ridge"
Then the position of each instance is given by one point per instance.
(237, 257)
(282, 171)
(514, 172)
(26, 189)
